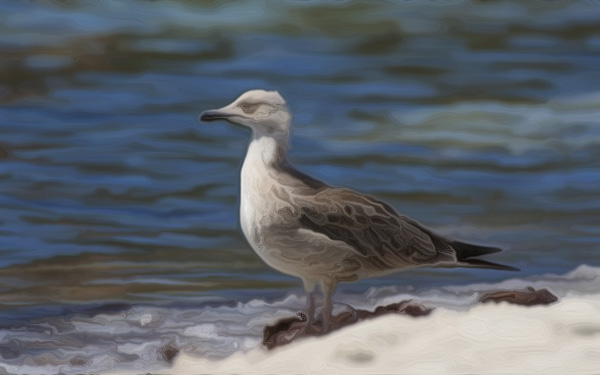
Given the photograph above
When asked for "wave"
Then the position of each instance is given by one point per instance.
(129, 337)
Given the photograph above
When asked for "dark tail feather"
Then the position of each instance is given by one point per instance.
(467, 250)
(480, 263)
(464, 251)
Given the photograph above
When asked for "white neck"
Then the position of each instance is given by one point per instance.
(264, 151)
(258, 176)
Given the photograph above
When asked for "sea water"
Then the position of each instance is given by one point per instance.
(119, 228)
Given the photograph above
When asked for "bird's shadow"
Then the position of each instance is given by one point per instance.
(289, 329)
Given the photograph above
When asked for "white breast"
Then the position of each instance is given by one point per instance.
(256, 187)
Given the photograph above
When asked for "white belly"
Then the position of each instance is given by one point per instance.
(278, 242)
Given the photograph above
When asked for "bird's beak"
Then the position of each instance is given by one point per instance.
(212, 115)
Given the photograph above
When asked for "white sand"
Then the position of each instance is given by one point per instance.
(493, 338)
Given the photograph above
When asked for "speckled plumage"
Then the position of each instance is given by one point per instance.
(324, 235)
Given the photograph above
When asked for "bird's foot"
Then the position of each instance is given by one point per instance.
(344, 318)
(327, 323)
(302, 315)
(311, 326)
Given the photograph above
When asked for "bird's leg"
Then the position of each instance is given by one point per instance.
(327, 286)
(309, 288)
(310, 308)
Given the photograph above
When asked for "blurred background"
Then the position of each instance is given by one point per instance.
(478, 118)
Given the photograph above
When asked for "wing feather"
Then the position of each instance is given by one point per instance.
(370, 227)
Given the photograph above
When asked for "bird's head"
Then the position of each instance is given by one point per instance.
(265, 112)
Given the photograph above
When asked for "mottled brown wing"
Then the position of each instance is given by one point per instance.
(372, 228)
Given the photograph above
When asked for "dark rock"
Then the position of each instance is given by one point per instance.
(527, 297)
(169, 352)
(286, 330)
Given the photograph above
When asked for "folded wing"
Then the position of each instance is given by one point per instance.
(371, 228)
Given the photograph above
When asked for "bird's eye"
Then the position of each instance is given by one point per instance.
(248, 108)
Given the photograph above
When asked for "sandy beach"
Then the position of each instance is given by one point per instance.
(490, 338)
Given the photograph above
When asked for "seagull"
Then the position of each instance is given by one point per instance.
(324, 235)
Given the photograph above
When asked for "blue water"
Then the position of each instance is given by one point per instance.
(479, 119)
